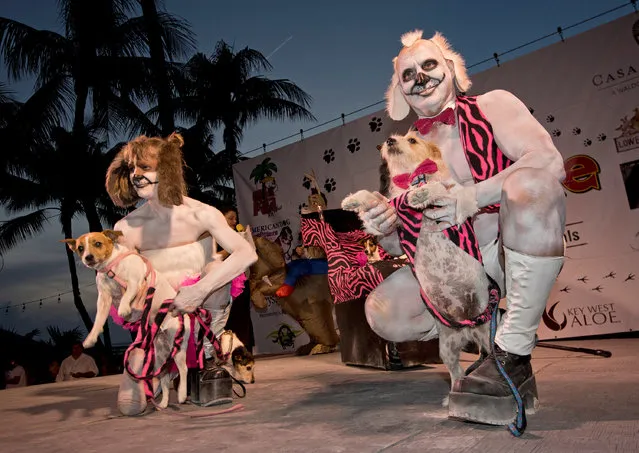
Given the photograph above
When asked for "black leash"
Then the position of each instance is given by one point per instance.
(599, 352)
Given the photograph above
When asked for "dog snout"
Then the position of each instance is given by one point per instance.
(89, 258)
(391, 141)
(421, 79)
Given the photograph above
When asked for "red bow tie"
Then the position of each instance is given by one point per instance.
(428, 167)
(424, 125)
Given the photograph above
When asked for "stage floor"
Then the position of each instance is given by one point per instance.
(317, 404)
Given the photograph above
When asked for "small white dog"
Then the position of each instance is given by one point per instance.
(456, 281)
(122, 279)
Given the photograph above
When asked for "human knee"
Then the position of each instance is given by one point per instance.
(383, 321)
(531, 187)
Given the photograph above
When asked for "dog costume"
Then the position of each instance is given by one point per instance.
(510, 170)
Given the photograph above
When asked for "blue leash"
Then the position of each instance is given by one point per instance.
(517, 427)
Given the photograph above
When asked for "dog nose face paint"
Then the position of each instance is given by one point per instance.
(144, 177)
(425, 77)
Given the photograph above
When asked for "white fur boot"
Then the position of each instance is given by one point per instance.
(529, 280)
(483, 395)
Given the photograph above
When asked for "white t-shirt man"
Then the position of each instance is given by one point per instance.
(16, 372)
(71, 367)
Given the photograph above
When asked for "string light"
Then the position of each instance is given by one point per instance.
(40, 301)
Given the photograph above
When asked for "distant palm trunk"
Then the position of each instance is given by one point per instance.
(160, 76)
(75, 285)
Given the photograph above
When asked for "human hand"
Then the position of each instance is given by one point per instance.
(188, 299)
(445, 204)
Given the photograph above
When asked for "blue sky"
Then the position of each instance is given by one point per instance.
(338, 52)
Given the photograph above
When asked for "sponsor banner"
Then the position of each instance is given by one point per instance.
(590, 107)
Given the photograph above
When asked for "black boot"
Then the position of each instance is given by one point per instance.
(484, 396)
(483, 356)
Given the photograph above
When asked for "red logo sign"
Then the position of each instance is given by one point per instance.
(582, 174)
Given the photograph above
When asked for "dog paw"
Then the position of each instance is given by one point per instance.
(356, 202)
(419, 197)
(445, 401)
(124, 311)
(89, 342)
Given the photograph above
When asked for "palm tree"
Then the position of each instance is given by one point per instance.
(161, 48)
(225, 90)
(46, 186)
(97, 59)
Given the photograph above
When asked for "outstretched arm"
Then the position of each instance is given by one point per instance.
(218, 273)
(521, 138)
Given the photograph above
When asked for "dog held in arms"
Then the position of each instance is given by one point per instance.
(455, 281)
(122, 280)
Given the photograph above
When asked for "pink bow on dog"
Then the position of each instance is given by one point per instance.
(424, 125)
(427, 167)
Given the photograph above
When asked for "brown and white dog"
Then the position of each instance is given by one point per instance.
(442, 268)
(241, 363)
(371, 249)
(122, 279)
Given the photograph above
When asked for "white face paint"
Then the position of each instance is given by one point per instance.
(145, 184)
(426, 78)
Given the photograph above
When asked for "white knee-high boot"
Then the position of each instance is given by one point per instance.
(529, 280)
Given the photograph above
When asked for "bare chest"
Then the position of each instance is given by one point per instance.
(448, 140)
(149, 232)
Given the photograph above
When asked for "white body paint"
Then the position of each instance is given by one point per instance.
(532, 214)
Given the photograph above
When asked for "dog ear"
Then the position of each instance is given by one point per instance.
(171, 184)
(396, 105)
(70, 242)
(460, 73)
(118, 184)
(379, 147)
(113, 234)
(384, 178)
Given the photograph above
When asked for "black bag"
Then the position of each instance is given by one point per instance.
(211, 386)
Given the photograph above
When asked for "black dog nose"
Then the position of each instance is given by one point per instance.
(391, 141)
(89, 257)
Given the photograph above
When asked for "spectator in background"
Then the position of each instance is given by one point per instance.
(240, 316)
(15, 376)
(77, 366)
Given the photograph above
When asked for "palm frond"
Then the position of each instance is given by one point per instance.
(18, 193)
(47, 109)
(26, 50)
(19, 229)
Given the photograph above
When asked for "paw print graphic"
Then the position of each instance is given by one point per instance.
(601, 137)
(550, 119)
(329, 185)
(556, 133)
(353, 145)
(576, 131)
(375, 124)
(306, 183)
(300, 207)
(587, 142)
(329, 155)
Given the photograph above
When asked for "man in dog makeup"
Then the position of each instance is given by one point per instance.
(176, 233)
(511, 173)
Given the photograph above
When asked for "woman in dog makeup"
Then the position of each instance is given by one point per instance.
(176, 233)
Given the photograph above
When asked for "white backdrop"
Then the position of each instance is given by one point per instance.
(585, 91)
